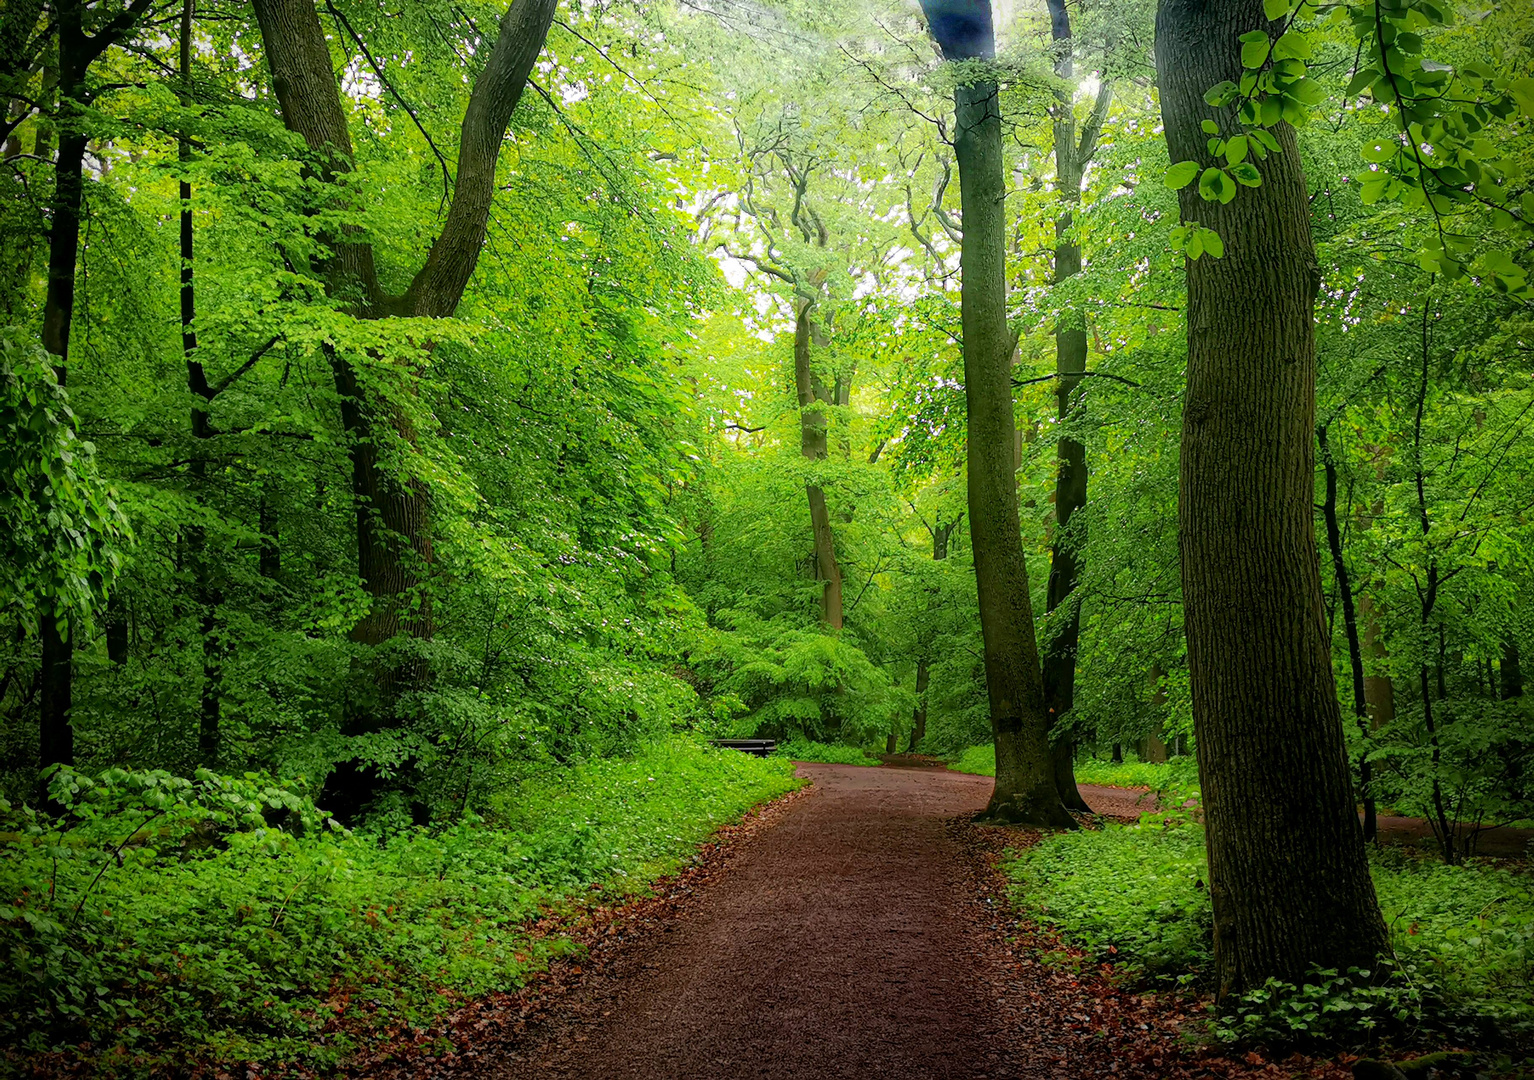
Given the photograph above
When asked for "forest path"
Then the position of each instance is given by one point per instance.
(849, 939)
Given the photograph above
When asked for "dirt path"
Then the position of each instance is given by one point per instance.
(848, 940)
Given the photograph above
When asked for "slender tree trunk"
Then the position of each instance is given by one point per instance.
(940, 536)
(1289, 878)
(1350, 627)
(813, 445)
(1065, 552)
(269, 562)
(56, 744)
(206, 591)
(1512, 671)
(1025, 782)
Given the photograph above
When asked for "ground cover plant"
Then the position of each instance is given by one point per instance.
(1461, 965)
(226, 919)
(801, 749)
(405, 412)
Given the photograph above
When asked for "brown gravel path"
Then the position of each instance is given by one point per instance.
(848, 940)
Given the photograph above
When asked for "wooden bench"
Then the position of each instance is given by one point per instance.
(757, 747)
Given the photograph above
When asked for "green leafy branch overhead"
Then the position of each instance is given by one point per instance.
(1442, 153)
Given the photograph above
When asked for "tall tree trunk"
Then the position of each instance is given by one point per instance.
(813, 445)
(940, 535)
(1512, 671)
(1289, 878)
(1065, 551)
(209, 735)
(1350, 627)
(269, 562)
(1025, 782)
(393, 515)
(56, 743)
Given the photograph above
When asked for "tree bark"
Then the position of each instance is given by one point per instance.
(1065, 551)
(56, 741)
(207, 593)
(1350, 628)
(1289, 879)
(1025, 783)
(813, 445)
(940, 536)
(393, 515)
(1512, 671)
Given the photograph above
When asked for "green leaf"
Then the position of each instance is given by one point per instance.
(1216, 185)
(1255, 47)
(1276, 9)
(1361, 82)
(1210, 127)
(1213, 245)
(1379, 151)
(1307, 91)
(1221, 94)
(1180, 175)
(1247, 174)
(1236, 149)
(1293, 46)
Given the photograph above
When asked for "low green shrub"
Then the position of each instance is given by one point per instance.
(1178, 777)
(1462, 936)
(980, 760)
(225, 918)
(802, 749)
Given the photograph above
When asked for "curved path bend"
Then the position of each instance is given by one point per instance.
(850, 939)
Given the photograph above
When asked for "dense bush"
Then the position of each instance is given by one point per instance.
(828, 753)
(980, 760)
(1177, 777)
(1463, 936)
(227, 917)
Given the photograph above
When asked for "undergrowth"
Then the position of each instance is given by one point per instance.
(1177, 777)
(802, 749)
(226, 919)
(980, 760)
(1462, 936)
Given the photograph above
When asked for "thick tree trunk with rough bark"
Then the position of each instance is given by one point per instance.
(813, 445)
(1025, 783)
(1289, 879)
(1512, 671)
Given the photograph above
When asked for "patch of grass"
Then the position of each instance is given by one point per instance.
(176, 918)
(1463, 936)
(1179, 776)
(801, 749)
(980, 760)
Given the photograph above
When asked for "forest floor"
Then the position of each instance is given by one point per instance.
(857, 929)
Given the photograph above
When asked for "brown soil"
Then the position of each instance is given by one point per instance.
(861, 932)
(849, 940)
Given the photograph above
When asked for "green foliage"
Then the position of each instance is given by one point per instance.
(980, 760)
(801, 749)
(64, 535)
(226, 917)
(1132, 892)
(1176, 779)
(1462, 936)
